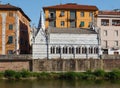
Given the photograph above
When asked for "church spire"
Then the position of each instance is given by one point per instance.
(41, 24)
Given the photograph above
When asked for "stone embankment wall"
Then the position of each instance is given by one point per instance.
(14, 62)
(78, 65)
(21, 62)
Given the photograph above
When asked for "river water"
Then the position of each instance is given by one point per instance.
(58, 84)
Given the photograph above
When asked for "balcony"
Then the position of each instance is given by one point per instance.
(50, 18)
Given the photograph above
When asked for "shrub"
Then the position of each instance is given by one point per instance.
(88, 77)
(44, 75)
(9, 74)
(68, 75)
(113, 75)
(1, 74)
(25, 73)
(18, 75)
(99, 73)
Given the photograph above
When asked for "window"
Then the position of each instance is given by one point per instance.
(62, 13)
(52, 14)
(105, 44)
(10, 39)
(116, 22)
(82, 24)
(62, 23)
(90, 50)
(116, 32)
(84, 50)
(72, 14)
(116, 43)
(52, 50)
(10, 26)
(105, 22)
(52, 23)
(58, 50)
(72, 24)
(71, 50)
(105, 32)
(90, 24)
(10, 14)
(78, 50)
(91, 14)
(96, 50)
(82, 14)
(65, 51)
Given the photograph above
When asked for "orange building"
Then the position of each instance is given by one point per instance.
(70, 15)
(14, 30)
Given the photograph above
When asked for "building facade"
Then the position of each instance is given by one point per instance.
(14, 30)
(109, 24)
(70, 15)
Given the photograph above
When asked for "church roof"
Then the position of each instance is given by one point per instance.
(71, 30)
(72, 6)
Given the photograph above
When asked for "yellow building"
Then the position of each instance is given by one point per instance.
(70, 15)
(14, 30)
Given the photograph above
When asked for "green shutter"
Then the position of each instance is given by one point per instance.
(10, 39)
(82, 24)
(10, 27)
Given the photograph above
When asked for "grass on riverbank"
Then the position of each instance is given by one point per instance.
(88, 75)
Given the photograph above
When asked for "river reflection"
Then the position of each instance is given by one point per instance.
(58, 84)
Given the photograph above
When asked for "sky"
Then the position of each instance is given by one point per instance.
(32, 8)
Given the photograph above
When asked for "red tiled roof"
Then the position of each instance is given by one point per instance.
(14, 8)
(72, 6)
(108, 13)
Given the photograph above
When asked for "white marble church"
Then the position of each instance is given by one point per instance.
(65, 43)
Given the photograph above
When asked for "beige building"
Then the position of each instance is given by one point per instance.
(109, 24)
(14, 30)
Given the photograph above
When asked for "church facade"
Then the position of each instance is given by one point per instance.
(71, 43)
